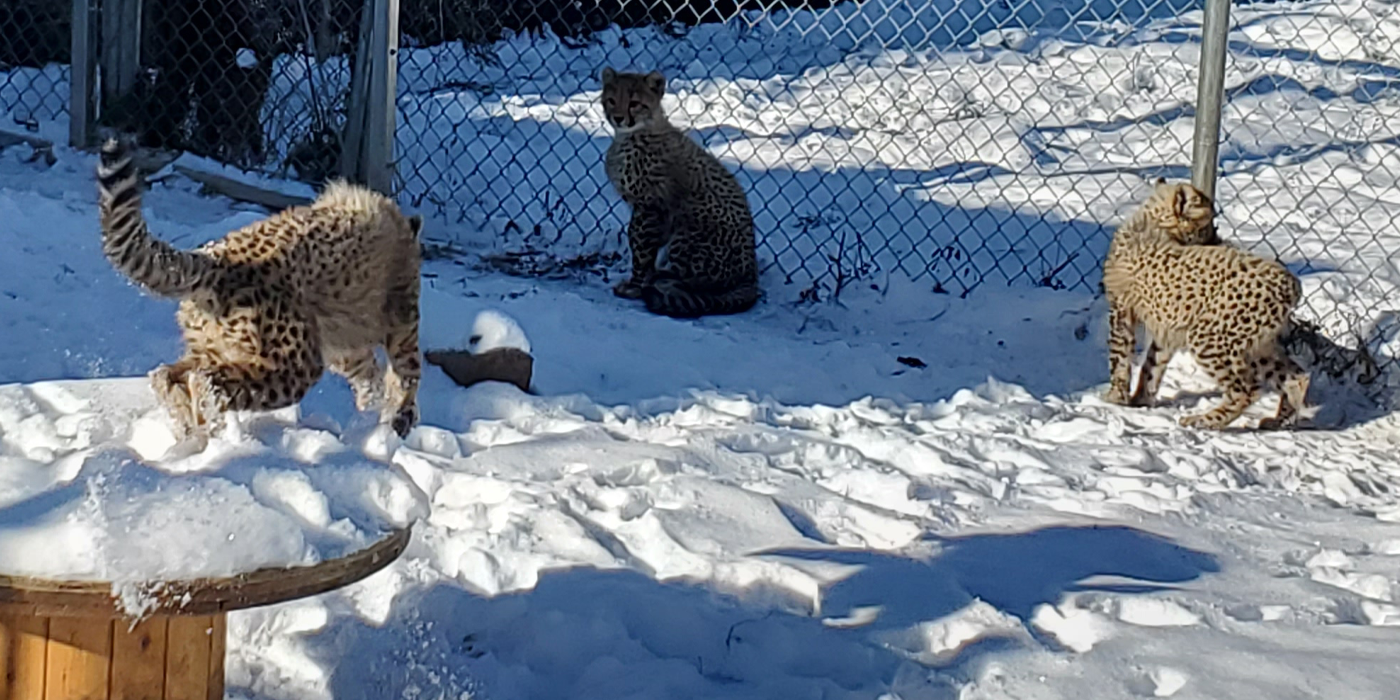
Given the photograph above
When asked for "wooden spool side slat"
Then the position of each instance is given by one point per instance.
(27, 644)
(218, 639)
(188, 660)
(23, 655)
(138, 660)
(77, 663)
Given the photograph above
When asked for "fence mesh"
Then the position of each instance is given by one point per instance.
(34, 47)
(1310, 149)
(952, 143)
(260, 84)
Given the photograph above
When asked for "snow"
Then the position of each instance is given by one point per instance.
(92, 490)
(493, 330)
(900, 494)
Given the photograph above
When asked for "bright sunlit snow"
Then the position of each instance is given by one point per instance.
(905, 495)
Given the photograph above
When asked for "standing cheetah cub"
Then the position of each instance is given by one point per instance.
(1228, 307)
(264, 309)
(691, 232)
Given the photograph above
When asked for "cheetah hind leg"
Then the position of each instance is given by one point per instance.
(215, 391)
(629, 289)
(362, 371)
(170, 384)
(1292, 382)
(1241, 389)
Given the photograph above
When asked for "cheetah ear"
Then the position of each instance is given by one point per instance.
(609, 75)
(1161, 180)
(415, 224)
(656, 82)
(1179, 202)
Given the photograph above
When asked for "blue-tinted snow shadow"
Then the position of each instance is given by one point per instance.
(1014, 572)
(618, 633)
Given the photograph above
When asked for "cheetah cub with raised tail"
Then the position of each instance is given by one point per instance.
(266, 308)
(691, 232)
(1228, 307)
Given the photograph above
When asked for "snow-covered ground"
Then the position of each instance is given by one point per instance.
(902, 495)
(765, 506)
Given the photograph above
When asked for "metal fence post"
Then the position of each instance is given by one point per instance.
(378, 167)
(121, 46)
(82, 77)
(1210, 95)
(352, 140)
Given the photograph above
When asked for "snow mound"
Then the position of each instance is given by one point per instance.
(493, 330)
(87, 491)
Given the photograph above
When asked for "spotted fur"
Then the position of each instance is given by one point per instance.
(268, 307)
(1166, 270)
(691, 231)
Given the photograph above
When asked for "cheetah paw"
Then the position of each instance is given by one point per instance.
(1116, 395)
(630, 289)
(404, 420)
(1142, 400)
(1276, 423)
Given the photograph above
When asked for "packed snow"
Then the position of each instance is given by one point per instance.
(92, 489)
(895, 495)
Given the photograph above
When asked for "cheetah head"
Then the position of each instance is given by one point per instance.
(1184, 213)
(632, 101)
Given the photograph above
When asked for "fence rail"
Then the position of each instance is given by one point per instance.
(944, 143)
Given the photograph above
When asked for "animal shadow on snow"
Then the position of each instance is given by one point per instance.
(1013, 572)
(619, 633)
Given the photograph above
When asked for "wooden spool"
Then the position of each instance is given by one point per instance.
(69, 640)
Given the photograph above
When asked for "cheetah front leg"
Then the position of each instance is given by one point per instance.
(1121, 338)
(1154, 367)
(646, 233)
(405, 364)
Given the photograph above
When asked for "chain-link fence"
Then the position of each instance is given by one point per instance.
(260, 84)
(34, 45)
(953, 143)
(1310, 156)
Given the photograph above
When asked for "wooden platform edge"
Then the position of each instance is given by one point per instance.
(10, 138)
(242, 191)
(21, 595)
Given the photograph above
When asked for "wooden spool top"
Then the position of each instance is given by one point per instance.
(23, 595)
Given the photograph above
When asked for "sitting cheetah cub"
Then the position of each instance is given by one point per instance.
(267, 307)
(691, 232)
(1228, 307)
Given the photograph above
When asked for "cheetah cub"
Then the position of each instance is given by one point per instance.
(1228, 307)
(266, 308)
(691, 232)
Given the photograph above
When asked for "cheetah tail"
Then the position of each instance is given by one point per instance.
(671, 297)
(126, 241)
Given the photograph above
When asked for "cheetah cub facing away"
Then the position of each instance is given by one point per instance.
(691, 231)
(1228, 307)
(266, 308)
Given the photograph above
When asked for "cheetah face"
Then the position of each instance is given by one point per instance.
(1185, 212)
(632, 100)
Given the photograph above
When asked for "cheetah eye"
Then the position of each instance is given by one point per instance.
(609, 101)
(634, 104)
